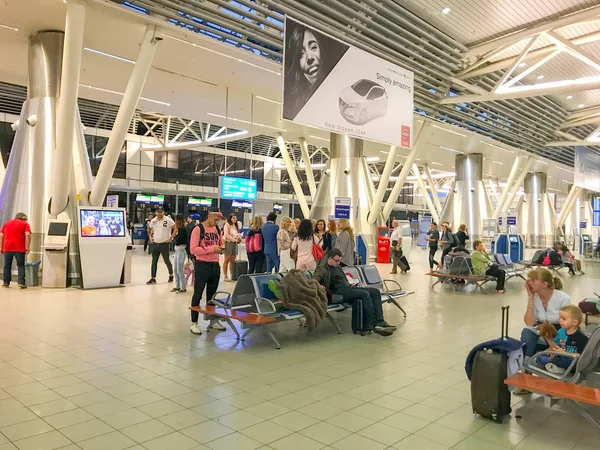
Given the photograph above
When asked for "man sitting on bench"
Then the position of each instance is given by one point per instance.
(332, 277)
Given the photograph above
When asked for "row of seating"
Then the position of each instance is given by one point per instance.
(253, 305)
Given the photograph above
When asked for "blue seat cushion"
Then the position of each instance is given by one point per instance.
(262, 285)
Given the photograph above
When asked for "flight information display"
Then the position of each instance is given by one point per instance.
(596, 211)
(238, 188)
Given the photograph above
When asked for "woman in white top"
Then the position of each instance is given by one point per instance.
(287, 229)
(231, 236)
(303, 244)
(545, 299)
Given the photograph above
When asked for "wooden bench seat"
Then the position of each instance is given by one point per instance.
(240, 316)
(555, 388)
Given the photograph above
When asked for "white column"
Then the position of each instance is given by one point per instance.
(2, 171)
(509, 184)
(410, 159)
(67, 107)
(126, 110)
(383, 184)
(293, 176)
(517, 185)
(567, 206)
(423, 189)
(436, 199)
(312, 186)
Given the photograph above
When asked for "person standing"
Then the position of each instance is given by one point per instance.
(433, 236)
(114, 227)
(181, 243)
(147, 226)
(15, 241)
(162, 232)
(255, 247)
(303, 245)
(462, 235)
(231, 236)
(396, 244)
(345, 242)
(206, 246)
(284, 244)
(269, 232)
(332, 231)
(322, 238)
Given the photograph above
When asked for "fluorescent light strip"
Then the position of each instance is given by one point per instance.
(109, 55)
(542, 162)
(121, 94)
(437, 164)
(449, 131)
(9, 27)
(566, 170)
(245, 121)
(495, 162)
(450, 149)
(222, 54)
(496, 146)
(268, 100)
(317, 137)
(373, 159)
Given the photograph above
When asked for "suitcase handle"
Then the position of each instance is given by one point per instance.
(504, 330)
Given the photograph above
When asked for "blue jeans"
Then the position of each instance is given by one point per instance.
(272, 262)
(561, 361)
(532, 342)
(180, 256)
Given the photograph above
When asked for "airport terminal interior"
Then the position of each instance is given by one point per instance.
(306, 162)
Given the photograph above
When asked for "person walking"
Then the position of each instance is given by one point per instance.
(181, 243)
(15, 242)
(447, 241)
(147, 226)
(231, 236)
(162, 231)
(284, 244)
(433, 236)
(345, 242)
(396, 244)
(206, 246)
(269, 232)
(255, 247)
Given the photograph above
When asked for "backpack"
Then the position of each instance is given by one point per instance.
(254, 243)
(454, 242)
(546, 260)
(555, 258)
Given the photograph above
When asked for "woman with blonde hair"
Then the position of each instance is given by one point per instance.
(287, 229)
(345, 242)
(255, 247)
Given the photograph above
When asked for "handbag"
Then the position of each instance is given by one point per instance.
(317, 252)
(254, 243)
(546, 260)
(494, 266)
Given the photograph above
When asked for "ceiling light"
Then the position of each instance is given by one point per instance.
(540, 77)
(496, 146)
(449, 131)
(110, 55)
(496, 162)
(245, 121)
(522, 64)
(317, 137)
(121, 94)
(446, 11)
(372, 159)
(267, 99)
(450, 149)
(437, 164)
(9, 27)
(569, 97)
(581, 105)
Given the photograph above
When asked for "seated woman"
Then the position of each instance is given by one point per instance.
(567, 259)
(545, 300)
(482, 265)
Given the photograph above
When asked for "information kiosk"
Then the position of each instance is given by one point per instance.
(103, 241)
(56, 254)
(508, 244)
(586, 245)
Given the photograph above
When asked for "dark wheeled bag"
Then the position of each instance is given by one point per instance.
(358, 317)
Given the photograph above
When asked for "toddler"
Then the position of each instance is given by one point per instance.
(570, 339)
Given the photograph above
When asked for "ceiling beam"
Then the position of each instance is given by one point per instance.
(570, 143)
(578, 122)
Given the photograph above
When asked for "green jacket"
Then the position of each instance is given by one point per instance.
(322, 274)
(480, 262)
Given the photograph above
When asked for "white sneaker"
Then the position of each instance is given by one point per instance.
(195, 329)
(216, 325)
(553, 368)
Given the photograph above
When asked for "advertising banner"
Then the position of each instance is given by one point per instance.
(333, 86)
(587, 169)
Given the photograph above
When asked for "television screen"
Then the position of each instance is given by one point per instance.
(194, 201)
(277, 207)
(238, 188)
(58, 229)
(143, 198)
(157, 199)
(99, 223)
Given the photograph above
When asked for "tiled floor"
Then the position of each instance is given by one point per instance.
(118, 368)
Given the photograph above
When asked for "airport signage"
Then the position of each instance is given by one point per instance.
(342, 207)
(112, 201)
(511, 220)
(583, 224)
(587, 169)
(238, 188)
(336, 87)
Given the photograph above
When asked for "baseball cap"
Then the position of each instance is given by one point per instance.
(159, 210)
(215, 211)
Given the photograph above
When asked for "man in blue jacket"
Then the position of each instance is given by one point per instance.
(269, 232)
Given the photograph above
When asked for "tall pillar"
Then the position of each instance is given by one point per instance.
(27, 183)
(347, 175)
(470, 203)
(536, 212)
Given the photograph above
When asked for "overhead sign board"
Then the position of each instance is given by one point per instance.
(336, 87)
(511, 220)
(342, 207)
(587, 169)
(238, 188)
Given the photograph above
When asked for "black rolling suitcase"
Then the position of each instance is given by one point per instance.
(239, 268)
(404, 263)
(490, 397)
(358, 317)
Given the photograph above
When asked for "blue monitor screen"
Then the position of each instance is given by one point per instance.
(596, 204)
(238, 188)
(596, 218)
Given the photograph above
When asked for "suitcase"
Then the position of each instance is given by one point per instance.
(239, 268)
(358, 317)
(577, 265)
(404, 263)
(490, 397)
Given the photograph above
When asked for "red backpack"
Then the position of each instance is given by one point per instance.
(254, 243)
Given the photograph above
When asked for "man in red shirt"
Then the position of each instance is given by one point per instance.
(15, 239)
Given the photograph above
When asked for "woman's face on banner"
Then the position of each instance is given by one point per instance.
(310, 58)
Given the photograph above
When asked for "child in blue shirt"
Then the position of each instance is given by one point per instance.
(570, 339)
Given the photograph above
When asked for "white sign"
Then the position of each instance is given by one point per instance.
(330, 85)
(112, 201)
(587, 169)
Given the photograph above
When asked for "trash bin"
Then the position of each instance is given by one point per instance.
(32, 273)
